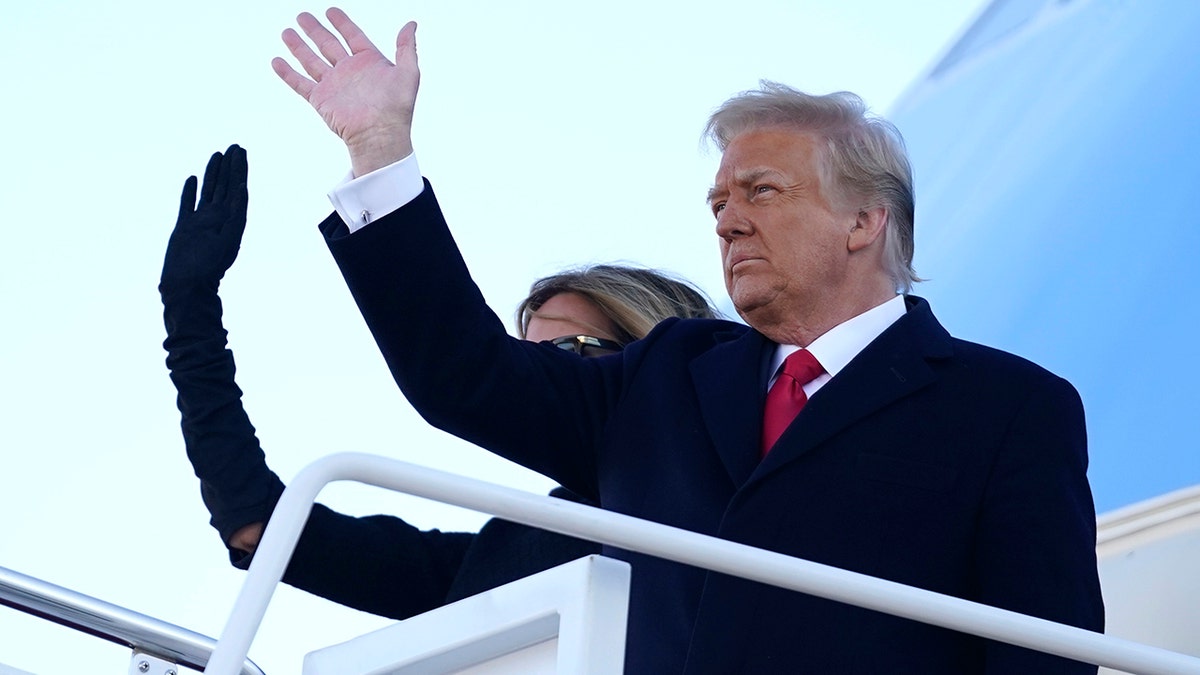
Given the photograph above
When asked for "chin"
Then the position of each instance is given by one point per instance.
(746, 306)
(748, 296)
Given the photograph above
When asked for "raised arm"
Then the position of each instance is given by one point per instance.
(378, 564)
(363, 97)
(238, 488)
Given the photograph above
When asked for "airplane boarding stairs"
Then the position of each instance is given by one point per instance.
(570, 619)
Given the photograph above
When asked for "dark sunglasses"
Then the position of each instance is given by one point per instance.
(586, 345)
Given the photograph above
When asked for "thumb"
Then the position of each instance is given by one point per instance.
(406, 44)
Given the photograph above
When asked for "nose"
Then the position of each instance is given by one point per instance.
(731, 223)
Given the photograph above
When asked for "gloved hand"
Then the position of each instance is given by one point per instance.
(208, 234)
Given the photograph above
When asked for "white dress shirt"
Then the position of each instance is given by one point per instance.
(374, 195)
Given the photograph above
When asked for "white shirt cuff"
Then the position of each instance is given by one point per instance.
(361, 200)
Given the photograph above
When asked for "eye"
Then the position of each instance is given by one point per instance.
(760, 189)
(717, 208)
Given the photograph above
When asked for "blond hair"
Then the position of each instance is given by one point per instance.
(635, 299)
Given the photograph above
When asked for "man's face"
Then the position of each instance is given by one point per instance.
(783, 234)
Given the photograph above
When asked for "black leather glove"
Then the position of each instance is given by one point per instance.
(207, 234)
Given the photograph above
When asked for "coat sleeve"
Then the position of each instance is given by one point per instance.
(377, 564)
(1036, 550)
(451, 356)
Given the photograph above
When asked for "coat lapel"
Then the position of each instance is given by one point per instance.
(891, 367)
(727, 381)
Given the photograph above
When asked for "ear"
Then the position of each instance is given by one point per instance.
(868, 228)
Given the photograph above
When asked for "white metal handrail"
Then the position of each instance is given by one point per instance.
(634, 534)
(111, 622)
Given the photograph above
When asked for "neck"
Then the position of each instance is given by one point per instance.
(801, 328)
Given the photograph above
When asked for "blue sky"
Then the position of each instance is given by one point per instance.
(555, 134)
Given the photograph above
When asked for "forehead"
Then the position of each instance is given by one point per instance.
(773, 153)
(757, 151)
(781, 142)
(568, 314)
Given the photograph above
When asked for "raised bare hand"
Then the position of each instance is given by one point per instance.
(363, 97)
(208, 233)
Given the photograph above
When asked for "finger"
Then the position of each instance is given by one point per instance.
(299, 83)
(239, 167)
(314, 65)
(406, 44)
(350, 32)
(331, 47)
(239, 191)
(187, 200)
(221, 190)
(210, 178)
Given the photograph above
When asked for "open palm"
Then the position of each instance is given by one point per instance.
(363, 97)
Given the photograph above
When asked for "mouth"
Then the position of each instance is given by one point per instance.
(741, 260)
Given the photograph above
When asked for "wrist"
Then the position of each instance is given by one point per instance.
(246, 539)
(381, 149)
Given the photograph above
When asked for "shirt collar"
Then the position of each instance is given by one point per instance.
(840, 344)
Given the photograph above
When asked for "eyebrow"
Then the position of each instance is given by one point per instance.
(743, 178)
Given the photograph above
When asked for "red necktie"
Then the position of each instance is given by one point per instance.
(786, 397)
